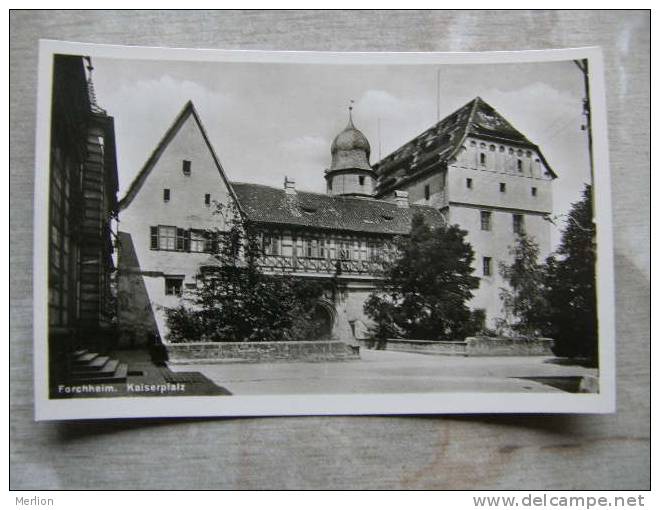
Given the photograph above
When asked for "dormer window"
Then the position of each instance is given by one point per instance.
(186, 167)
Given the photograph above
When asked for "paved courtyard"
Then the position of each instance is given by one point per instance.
(395, 372)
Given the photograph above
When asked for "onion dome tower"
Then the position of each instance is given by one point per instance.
(350, 172)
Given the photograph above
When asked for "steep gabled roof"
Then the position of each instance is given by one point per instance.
(179, 121)
(442, 141)
(268, 205)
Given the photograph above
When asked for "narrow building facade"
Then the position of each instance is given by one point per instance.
(82, 207)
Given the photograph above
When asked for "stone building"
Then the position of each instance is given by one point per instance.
(484, 175)
(82, 205)
(472, 168)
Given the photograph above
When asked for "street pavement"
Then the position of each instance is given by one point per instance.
(392, 372)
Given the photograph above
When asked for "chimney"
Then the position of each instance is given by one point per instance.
(289, 186)
(401, 199)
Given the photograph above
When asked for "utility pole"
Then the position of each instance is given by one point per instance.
(379, 143)
(437, 101)
(583, 66)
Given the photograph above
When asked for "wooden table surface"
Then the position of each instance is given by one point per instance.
(525, 451)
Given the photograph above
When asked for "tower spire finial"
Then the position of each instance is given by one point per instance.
(350, 113)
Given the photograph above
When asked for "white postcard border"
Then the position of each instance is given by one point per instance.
(360, 404)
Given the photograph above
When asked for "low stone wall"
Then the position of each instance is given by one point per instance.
(476, 346)
(504, 346)
(427, 346)
(258, 352)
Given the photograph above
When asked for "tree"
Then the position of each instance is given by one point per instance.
(524, 302)
(426, 285)
(571, 285)
(235, 301)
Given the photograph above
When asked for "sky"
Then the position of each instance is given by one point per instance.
(267, 121)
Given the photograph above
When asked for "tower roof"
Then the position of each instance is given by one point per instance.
(350, 149)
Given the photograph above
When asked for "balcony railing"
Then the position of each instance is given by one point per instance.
(279, 263)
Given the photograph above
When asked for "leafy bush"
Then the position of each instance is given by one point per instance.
(236, 302)
(426, 286)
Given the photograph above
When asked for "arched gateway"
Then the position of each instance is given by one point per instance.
(323, 318)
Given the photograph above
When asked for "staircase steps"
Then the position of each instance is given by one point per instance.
(85, 358)
(94, 368)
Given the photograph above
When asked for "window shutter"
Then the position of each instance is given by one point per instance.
(186, 240)
(154, 238)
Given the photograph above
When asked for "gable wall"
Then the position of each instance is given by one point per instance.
(185, 209)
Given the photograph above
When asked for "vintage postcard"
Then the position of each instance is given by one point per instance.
(240, 233)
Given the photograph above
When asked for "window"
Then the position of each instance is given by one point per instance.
(330, 185)
(533, 192)
(207, 199)
(502, 187)
(519, 165)
(186, 167)
(518, 224)
(344, 250)
(427, 192)
(485, 220)
(482, 159)
(361, 250)
(173, 286)
(166, 238)
(166, 195)
(271, 244)
(361, 178)
(468, 183)
(198, 241)
(312, 249)
(487, 263)
(492, 148)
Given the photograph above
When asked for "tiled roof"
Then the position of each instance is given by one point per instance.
(441, 142)
(265, 204)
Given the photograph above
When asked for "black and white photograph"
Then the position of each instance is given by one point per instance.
(282, 233)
